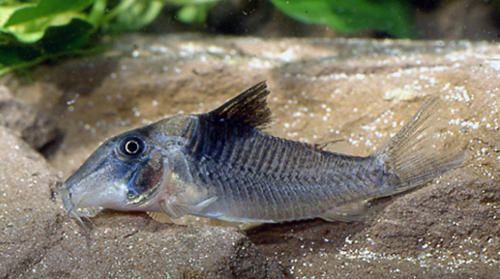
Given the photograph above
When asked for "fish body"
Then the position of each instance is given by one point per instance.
(222, 165)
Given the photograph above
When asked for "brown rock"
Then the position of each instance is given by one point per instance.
(131, 246)
(30, 217)
(445, 215)
(36, 128)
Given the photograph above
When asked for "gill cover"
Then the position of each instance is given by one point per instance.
(146, 165)
(146, 178)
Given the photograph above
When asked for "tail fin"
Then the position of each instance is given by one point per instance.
(408, 157)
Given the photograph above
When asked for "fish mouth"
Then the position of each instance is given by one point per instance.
(68, 203)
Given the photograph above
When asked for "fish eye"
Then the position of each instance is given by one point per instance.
(132, 146)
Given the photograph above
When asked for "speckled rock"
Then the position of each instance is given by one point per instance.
(133, 246)
(359, 92)
(444, 230)
(29, 215)
(36, 128)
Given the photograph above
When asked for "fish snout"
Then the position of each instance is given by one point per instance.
(66, 197)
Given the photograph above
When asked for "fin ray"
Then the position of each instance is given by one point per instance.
(160, 217)
(408, 158)
(248, 108)
(174, 209)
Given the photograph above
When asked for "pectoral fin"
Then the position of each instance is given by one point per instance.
(174, 209)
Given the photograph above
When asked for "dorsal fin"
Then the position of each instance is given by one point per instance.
(248, 108)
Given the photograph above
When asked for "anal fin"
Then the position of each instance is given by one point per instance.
(350, 212)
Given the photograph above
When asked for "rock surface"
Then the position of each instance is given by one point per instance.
(358, 91)
(132, 246)
(445, 230)
(36, 128)
(30, 217)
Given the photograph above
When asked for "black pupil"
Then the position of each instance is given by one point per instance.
(132, 146)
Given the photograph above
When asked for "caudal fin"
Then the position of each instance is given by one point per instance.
(409, 157)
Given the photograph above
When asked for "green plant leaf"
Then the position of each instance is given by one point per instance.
(7, 11)
(97, 12)
(28, 23)
(32, 31)
(391, 16)
(189, 2)
(195, 13)
(132, 14)
(58, 40)
(16, 56)
(66, 38)
(11, 54)
(46, 8)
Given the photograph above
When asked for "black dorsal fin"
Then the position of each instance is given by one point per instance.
(248, 108)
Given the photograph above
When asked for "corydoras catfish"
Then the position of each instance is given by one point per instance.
(222, 165)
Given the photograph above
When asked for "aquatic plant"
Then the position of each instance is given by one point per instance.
(32, 31)
(390, 16)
